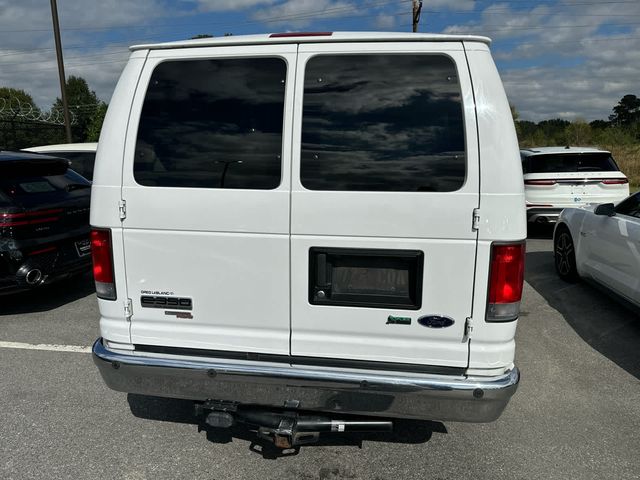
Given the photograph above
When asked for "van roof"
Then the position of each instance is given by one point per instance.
(528, 152)
(313, 37)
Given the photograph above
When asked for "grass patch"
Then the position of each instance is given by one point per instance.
(628, 159)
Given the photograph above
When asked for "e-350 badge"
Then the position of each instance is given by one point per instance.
(176, 306)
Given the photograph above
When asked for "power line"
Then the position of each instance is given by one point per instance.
(549, 27)
(308, 14)
(275, 19)
(480, 29)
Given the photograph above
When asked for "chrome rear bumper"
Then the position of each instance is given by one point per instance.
(385, 394)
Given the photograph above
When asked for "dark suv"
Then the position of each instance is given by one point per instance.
(44, 221)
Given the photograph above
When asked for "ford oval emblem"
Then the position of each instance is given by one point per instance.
(436, 321)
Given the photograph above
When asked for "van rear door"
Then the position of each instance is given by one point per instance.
(384, 186)
(206, 182)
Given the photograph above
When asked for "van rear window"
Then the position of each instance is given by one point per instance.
(214, 123)
(569, 162)
(383, 122)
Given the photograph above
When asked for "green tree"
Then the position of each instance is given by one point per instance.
(626, 112)
(599, 124)
(578, 133)
(93, 130)
(516, 117)
(83, 105)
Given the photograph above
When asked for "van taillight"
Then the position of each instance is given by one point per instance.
(102, 255)
(506, 275)
(615, 181)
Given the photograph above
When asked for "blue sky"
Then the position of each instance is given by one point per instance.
(558, 58)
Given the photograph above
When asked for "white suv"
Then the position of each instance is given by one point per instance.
(81, 155)
(328, 222)
(562, 177)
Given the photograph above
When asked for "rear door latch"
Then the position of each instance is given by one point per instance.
(122, 209)
(128, 309)
(475, 224)
(468, 328)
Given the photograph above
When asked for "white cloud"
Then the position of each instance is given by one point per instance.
(27, 54)
(385, 22)
(101, 70)
(582, 67)
(226, 5)
(554, 61)
(467, 5)
(299, 13)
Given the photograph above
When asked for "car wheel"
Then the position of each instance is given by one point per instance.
(565, 255)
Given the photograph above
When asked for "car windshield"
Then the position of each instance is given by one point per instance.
(570, 162)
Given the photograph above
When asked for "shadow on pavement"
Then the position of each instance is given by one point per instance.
(182, 411)
(48, 297)
(604, 323)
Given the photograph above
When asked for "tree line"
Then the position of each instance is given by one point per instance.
(621, 128)
(23, 124)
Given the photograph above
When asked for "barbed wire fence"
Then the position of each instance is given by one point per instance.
(13, 108)
(23, 124)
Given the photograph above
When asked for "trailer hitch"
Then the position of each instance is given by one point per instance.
(286, 435)
(286, 429)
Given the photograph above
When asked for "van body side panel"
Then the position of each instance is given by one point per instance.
(106, 193)
(197, 239)
(502, 205)
(438, 224)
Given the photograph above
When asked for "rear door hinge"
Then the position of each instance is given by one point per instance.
(128, 309)
(122, 209)
(468, 328)
(475, 224)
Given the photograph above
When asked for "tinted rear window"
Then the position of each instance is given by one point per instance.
(81, 162)
(45, 186)
(383, 123)
(570, 162)
(213, 124)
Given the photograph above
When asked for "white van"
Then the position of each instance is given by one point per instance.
(327, 222)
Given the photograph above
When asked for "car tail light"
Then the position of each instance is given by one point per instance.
(30, 218)
(540, 182)
(506, 276)
(615, 181)
(102, 255)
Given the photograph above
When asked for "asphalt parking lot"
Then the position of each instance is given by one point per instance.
(575, 415)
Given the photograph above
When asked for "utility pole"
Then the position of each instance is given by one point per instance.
(56, 35)
(417, 8)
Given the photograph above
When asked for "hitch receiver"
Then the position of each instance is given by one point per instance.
(286, 429)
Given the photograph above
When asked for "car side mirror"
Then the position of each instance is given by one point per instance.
(607, 209)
